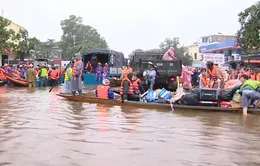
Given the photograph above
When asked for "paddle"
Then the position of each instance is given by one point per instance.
(65, 69)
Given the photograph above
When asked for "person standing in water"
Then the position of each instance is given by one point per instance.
(30, 76)
(76, 82)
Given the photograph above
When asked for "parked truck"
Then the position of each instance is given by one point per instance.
(167, 71)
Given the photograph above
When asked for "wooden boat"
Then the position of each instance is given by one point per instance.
(91, 98)
(114, 82)
(14, 80)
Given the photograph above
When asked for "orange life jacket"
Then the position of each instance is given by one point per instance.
(74, 69)
(102, 91)
(204, 81)
(88, 66)
(213, 73)
(54, 74)
(135, 84)
(131, 87)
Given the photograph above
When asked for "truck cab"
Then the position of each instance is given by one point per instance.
(167, 71)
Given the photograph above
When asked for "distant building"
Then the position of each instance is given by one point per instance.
(205, 40)
(8, 54)
(193, 51)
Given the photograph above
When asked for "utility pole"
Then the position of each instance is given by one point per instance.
(2, 12)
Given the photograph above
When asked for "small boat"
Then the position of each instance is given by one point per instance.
(91, 98)
(14, 80)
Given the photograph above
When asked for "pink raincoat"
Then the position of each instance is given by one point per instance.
(169, 55)
(186, 75)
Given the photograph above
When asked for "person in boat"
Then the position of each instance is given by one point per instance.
(215, 76)
(131, 88)
(43, 74)
(150, 75)
(98, 71)
(67, 79)
(76, 82)
(7, 68)
(88, 67)
(30, 76)
(103, 91)
(249, 90)
(105, 71)
(22, 72)
(194, 77)
(203, 79)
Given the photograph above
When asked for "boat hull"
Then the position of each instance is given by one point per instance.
(90, 98)
(15, 81)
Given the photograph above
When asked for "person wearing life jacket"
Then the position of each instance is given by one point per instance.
(88, 67)
(22, 72)
(203, 79)
(103, 91)
(53, 76)
(123, 72)
(67, 79)
(128, 69)
(127, 89)
(76, 82)
(105, 71)
(43, 74)
(215, 76)
(249, 90)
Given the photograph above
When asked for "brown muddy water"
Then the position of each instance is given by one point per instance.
(38, 128)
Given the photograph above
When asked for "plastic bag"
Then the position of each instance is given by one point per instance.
(237, 97)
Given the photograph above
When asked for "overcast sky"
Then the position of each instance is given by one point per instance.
(128, 25)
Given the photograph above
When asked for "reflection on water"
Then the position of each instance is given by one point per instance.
(40, 128)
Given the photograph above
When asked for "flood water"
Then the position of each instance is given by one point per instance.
(38, 128)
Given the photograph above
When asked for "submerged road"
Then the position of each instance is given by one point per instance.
(38, 128)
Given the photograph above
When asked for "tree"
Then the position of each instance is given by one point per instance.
(248, 34)
(7, 36)
(26, 44)
(76, 34)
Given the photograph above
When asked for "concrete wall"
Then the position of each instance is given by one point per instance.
(193, 51)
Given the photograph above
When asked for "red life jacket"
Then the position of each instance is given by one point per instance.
(135, 84)
(131, 87)
(74, 69)
(54, 74)
(88, 66)
(102, 91)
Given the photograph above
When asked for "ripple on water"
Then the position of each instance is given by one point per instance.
(39, 128)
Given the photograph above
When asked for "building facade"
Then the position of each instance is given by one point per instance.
(193, 51)
(205, 40)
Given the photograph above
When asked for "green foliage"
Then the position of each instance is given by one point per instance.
(180, 51)
(76, 34)
(7, 36)
(248, 34)
(26, 44)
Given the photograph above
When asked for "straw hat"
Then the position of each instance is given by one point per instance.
(106, 82)
(99, 63)
(150, 63)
